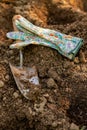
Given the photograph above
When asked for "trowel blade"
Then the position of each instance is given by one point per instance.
(25, 78)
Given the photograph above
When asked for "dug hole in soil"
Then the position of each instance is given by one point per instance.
(62, 98)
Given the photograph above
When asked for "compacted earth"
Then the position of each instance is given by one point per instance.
(61, 101)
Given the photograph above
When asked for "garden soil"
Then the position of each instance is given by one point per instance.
(61, 100)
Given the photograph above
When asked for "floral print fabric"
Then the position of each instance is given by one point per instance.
(28, 33)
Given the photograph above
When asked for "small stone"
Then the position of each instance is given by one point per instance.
(51, 82)
(7, 77)
(76, 60)
(54, 124)
(46, 95)
(68, 90)
(4, 98)
(11, 52)
(84, 68)
(30, 110)
(59, 123)
(55, 91)
(28, 113)
(33, 114)
(5, 61)
(15, 94)
(40, 107)
(77, 67)
(1, 84)
(54, 1)
(51, 106)
(74, 127)
(82, 57)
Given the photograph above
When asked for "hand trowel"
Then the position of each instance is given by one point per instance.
(26, 78)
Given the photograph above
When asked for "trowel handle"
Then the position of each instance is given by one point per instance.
(21, 58)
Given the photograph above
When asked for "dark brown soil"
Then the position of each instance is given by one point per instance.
(62, 98)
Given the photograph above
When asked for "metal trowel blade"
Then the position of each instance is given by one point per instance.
(25, 78)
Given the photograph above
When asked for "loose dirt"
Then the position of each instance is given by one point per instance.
(62, 97)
